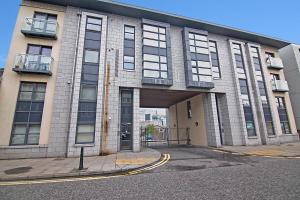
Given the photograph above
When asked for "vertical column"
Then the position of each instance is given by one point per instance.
(245, 98)
(91, 148)
(136, 120)
(262, 95)
(211, 120)
(57, 144)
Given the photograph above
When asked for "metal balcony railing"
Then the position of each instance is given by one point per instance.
(40, 28)
(280, 86)
(274, 63)
(28, 63)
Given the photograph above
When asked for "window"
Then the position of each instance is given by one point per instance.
(214, 59)
(274, 78)
(201, 69)
(89, 82)
(44, 22)
(155, 63)
(129, 48)
(93, 24)
(189, 109)
(91, 56)
(262, 90)
(38, 57)
(44, 16)
(39, 50)
(269, 54)
(283, 116)
(243, 86)
(248, 114)
(28, 114)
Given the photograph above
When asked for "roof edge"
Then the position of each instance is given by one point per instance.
(174, 19)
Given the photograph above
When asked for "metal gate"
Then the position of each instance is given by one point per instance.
(160, 136)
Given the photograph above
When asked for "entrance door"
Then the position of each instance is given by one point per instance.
(221, 129)
(126, 119)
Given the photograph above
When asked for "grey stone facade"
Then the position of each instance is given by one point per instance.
(290, 56)
(112, 78)
(64, 86)
(227, 88)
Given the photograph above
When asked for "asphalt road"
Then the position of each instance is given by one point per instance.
(192, 173)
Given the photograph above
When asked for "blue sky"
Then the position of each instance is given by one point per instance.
(276, 18)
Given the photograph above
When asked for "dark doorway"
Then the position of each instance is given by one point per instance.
(126, 119)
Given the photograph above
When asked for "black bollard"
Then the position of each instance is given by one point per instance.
(81, 159)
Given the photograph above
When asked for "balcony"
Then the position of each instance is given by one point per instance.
(275, 63)
(34, 27)
(34, 64)
(280, 86)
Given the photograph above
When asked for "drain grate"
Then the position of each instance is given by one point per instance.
(18, 170)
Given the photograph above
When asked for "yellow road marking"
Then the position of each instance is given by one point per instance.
(165, 159)
(133, 161)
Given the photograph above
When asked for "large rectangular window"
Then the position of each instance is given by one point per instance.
(155, 63)
(28, 115)
(129, 48)
(89, 82)
(201, 69)
(214, 59)
(262, 90)
(282, 112)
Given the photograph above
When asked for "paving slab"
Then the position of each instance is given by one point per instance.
(282, 150)
(25, 169)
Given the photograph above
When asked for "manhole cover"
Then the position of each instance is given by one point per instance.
(18, 170)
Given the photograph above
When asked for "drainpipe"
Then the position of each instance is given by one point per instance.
(104, 92)
(105, 113)
(73, 80)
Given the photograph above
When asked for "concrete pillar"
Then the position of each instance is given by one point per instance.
(211, 120)
(136, 120)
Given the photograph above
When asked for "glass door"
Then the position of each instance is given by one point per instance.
(126, 119)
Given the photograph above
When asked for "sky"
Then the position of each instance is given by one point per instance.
(275, 18)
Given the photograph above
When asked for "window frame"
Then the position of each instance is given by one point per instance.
(124, 46)
(28, 123)
(217, 60)
(46, 14)
(160, 71)
(89, 83)
(281, 105)
(199, 57)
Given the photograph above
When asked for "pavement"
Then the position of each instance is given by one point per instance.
(192, 173)
(41, 168)
(288, 150)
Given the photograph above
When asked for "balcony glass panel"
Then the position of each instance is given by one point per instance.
(33, 63)
(40, 27)
(274, 63)
(280, 86)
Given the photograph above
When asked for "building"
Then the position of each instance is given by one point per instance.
(291, 59)
(78, 72)
(153, 116)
